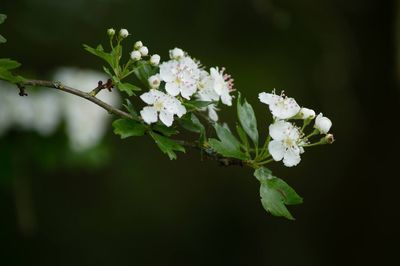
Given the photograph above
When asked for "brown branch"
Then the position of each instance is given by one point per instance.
(57, 85)
(91, 96)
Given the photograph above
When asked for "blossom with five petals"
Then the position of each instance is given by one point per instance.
(162, 106)
(286, 143)
(281, 107)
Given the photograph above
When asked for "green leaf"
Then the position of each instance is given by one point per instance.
(228, 145)
(129, 128)
(191, 123)
(99, 52)
(276, 193)
(166, 131)
(143, 71)
(107, 71)
(8, 76)
(131, 109)
(2, 39)
(194, 104)
(166, 145)
(128, 88)
(247, 119)
(243, 137)
(9, 64)
(2, 18)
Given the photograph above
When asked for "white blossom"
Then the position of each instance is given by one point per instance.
(281, 107)
(306, 113)
(136, 55)
(222, 85)
(138, 45)
(162, 106)
(123, 33)
(154, 81)
(111, 32)
(180, 76)
(155, 59)
(323, 124)
(286, 143)
(144, 51)
(207, 93)
(176, 53)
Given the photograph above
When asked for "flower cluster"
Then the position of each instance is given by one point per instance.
(184, 79)
(288, 140)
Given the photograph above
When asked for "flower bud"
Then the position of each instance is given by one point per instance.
(154, 81)
(176, 53)
(155, 59)
(123, 33)
(138, 45)
(111, 32)
(136, 55)
(306, 113)
(144, 50)
(323, 124)
(329, 138)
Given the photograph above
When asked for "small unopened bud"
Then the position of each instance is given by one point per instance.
(138, 45)
(123, 33)
(176, 53)
(306, 113)
(111, 32)
(144, 50)
(323, 124)
(155, 59)
(327, 139)
(154, 81)
(136, 55)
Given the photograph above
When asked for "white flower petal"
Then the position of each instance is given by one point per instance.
(172, 88)
(267, 98)
(292, 157)
(148, 97)
(276, 149)
(166, 118)
(149, 114)
(187, 91)
(323, 124)
(279, 129)
(226, 99)
(181, 110)
(212, 113)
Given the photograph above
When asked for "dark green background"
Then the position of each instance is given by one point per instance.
(129, 205)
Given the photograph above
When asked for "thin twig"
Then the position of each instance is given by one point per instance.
(57, 85)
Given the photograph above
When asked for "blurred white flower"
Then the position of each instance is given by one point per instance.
(286, 143)
(281, 107)
(323, 124)
(163, 106)
(86, 123)
(39, 111)
(180, 76)
(46, 107)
